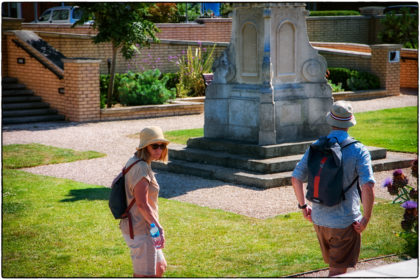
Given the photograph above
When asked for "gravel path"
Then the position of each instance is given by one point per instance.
(111, 138)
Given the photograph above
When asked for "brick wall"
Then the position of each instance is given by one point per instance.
(82, 89)
(354, 29)
(409, 74)
(215, 30)
(159, 56)
(384, 69)
(7, 24)
(35, 76)
(343, 46)
(359, 56)
(346, 59)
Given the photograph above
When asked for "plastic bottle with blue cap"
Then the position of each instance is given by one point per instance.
(155, 234)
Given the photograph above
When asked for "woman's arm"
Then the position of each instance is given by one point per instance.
(141, 190)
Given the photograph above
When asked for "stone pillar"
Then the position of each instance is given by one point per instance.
(385, 63)
(81, 87)
(267, 110)
(375, 14)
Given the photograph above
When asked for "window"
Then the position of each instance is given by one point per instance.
(60, 15)
(45, 16)
(77, 13)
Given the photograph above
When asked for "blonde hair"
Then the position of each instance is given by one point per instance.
(143, 154)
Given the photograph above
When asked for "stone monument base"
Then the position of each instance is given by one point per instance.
(250, 164)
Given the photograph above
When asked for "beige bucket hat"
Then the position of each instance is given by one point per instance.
(341, 115)
(150, 135)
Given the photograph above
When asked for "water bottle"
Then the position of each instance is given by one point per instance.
(155, 234)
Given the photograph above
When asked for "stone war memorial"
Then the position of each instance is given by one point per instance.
(269, 85)
(267, 102)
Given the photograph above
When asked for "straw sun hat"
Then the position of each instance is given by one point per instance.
(151, 135)
(341, 115)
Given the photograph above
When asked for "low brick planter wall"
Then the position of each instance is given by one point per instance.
(360, 95)
(189, 106)
(195, 105)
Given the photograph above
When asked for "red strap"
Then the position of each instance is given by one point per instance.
(317, 178)
(127, 211)
(128, 215)
(125, 170)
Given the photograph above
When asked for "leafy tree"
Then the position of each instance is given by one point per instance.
(401, 28)
(163, 12)
(193, 11)
(125, 25)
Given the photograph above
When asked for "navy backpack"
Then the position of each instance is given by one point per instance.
(325, 171)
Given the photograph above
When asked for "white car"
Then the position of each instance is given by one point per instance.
(60, 14)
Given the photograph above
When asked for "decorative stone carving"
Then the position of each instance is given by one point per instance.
(269, 85)
(314, 69)
(224, 71)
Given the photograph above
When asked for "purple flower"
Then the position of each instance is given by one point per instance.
(387, 182)
(398, 172)
(409, 204)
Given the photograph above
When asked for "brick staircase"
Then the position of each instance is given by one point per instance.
(20, 105)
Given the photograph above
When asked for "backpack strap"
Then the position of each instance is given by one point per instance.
(126, 213)
(358, 188)
(347, 142)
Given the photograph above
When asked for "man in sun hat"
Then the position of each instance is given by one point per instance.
(339, 227)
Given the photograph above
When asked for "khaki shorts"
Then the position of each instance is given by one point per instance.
(144, 255)
(340, 246)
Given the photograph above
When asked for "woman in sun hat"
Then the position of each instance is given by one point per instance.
(141, 185)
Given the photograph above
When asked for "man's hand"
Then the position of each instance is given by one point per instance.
(307, 213)
(359, 227)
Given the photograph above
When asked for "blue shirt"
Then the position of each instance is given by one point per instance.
(356, 162)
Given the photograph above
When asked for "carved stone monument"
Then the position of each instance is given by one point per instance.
(266, 104)
(269, 85)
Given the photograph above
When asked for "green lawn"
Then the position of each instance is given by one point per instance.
(393, 129)
(60, 228)
(29, 155)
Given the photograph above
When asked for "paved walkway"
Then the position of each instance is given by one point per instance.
(402, 269)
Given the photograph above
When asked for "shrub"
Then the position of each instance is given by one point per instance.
(191, 68)
(144, 88)
(407, 196)
(334, 13)
(334, 87)
(173, 79)
(352, 79)
(400, 29)
(103, 83)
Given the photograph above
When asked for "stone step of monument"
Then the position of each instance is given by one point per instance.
(243, 177)
(251, 150)
(264, 166)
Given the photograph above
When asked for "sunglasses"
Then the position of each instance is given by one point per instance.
(157, 146)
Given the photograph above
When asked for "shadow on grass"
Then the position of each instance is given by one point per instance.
(87, 194)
